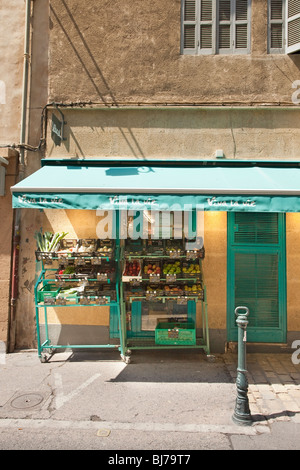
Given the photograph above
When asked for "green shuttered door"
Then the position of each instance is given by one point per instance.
(256, 275)
(256, 285)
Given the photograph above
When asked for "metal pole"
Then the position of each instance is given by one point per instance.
(242, 415)
(25, 85)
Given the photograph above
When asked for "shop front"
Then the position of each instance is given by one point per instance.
(159, 254)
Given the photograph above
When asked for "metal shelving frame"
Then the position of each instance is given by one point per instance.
(129, 344)
(47, 345)
(126, 344)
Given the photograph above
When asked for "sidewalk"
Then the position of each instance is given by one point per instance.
(274, 386)
(161, 400)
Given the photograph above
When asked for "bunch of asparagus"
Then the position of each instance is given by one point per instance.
(48, 241)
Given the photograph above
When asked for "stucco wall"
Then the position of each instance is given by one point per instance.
(117, 53)
(293, 271)
(186, 133)
(12, 18)
(23, 332)
(129, 52)
(11, 67)
(5, 248)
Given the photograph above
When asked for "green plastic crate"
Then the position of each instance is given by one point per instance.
(48, 290)
(175, 333)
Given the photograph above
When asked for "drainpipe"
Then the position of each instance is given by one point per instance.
(21, 171)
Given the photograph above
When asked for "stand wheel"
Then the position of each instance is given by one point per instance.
(125, 359)
(211, 358)
(44, 358)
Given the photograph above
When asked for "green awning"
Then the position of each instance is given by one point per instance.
(205, 186)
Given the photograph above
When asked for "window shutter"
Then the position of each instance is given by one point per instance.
(233, 24)
(256, 228)
(189, 25)
(293, 26)
(256, 286)
(256, 270)
(276, 26)
(241, 10)
(241, 39)
(276, 9)
(215, 26)
(224, 24)
(206, 25)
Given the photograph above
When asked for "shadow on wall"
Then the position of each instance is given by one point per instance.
(155, 134)
(80, 56)
(106, 96)
(180, 133)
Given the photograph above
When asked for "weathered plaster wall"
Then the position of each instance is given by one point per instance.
(12, 18)
(5, 248)
(111, 53)
(23, 332)
(293, 271)
(186, 133)
(123, 52)
(11, 66)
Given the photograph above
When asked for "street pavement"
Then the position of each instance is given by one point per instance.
(164, 401)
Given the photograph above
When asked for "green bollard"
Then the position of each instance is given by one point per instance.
(242, 415)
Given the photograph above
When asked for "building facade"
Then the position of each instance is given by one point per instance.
(23, 94)
(179, 81)
(11, 71)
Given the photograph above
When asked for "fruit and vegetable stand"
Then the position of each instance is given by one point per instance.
(151, 287)
(161, 285)
(74, 273)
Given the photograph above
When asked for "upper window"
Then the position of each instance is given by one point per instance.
(293, 26)
(276, 26)
(283, 26)
(216, 26)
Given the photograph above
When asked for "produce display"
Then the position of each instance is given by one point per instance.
(51, 246)
(79, 279)
(168, 278)
(64, 273)
(104, 249)
(134, 292)
(89, 247)
(152, 267)
(48, 241)
(191, 268)
(69, 293)
(174, 247)
(165, 248)
(172, 268)
(155, 247)
(106, 273)
(165, 290)
(132, 270)
(134, 247)
(160, 272)
(174, 290)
